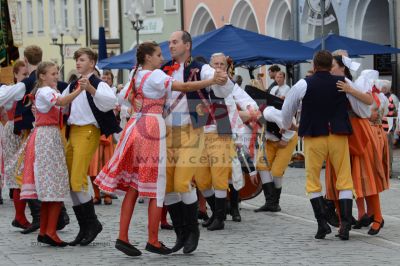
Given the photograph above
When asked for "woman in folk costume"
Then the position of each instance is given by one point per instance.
(45, 171)
(139, 161)
(362, 144)
(11, 143)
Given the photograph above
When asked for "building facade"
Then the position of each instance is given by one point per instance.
(368, 20)
(40, 21)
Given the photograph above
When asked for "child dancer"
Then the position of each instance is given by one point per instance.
(143, 140)
(45, 169)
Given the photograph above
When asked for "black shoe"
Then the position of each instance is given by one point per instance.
(48, 240)
(219, 213)
(42, 239)
(211, 203)
(365, 221)
(319, 213)
(178, 222)
(191, 227)
(167, 226)
(10, 193)
(17, 224)
(162, 250)
(373, 232)
(345, 218)
(203, 216)
(1, 201)
(127, 248)
(269, 194)
(34, 206)
(80, 216)
(93, 225)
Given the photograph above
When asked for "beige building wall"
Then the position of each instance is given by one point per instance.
(37, 24)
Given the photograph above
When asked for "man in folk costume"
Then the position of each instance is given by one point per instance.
(185, 118)
(216, 162)
(90, 115)
(23, 123)
(325, 125)
(279, 148)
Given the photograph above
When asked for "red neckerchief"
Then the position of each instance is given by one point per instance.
(172, 68)
(375, 93)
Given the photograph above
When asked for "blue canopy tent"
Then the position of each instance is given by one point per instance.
(245, 47)
(354, 47)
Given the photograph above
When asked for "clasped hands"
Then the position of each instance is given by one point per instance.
(220, 77)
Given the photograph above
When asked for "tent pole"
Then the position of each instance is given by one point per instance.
(322, 4)
(392, 32)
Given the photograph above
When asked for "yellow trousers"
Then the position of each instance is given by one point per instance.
(278, 158)
(184, 147)
(82, 144)
(215, 163)
(318, 149)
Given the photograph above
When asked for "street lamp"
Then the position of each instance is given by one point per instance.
(135, 15)
(54, 38)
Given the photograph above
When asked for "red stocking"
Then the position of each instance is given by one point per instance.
(360, 207)
(154, 217)
(19, 206)
(375, 204)
(127, 207)
(54, 209)
(44, 216)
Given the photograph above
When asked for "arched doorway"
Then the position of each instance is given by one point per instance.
(242, 16)
(202, 21)
(278, 20)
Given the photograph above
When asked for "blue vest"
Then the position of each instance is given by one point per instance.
(23, 118)
(194, 100)
(324, 108)
(106, 120)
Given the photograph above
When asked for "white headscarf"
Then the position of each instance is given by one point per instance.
(367, 79)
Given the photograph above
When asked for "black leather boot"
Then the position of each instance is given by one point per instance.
(176, 214)
(94, 226)
(218, 223)
(211, 203)
(234, 210)
(269, 191)
(274, 207)
(80, 216)
(345, 218)
(319, 212)
(34, 206)
(331, 215)
(63, 219)
(192, 227)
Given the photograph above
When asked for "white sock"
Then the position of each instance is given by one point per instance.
(314, 195)
(207, 193)
(189, 197)
(278, 182)
(83, 196)
(74, 198)
(345, 194)
(221, 194)
(266, 177)
(172, 198)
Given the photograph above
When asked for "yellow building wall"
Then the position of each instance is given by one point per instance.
(43, 39)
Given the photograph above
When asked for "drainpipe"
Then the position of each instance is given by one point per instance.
(121, 43)
(182, 16)
(392, 30)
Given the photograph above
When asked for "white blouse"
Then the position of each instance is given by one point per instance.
(45, 99)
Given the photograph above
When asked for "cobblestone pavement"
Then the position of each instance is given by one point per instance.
(280, 238)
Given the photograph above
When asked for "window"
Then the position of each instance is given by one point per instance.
(64, 14)
(149, 7)
(52, 13)
(40, 16)
(29, 16)
(19, 14)
(170, 6)
(79, 14)
(106, 14)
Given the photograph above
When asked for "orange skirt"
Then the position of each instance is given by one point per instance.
(102, 155)
(382, 181)
(367, 168)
